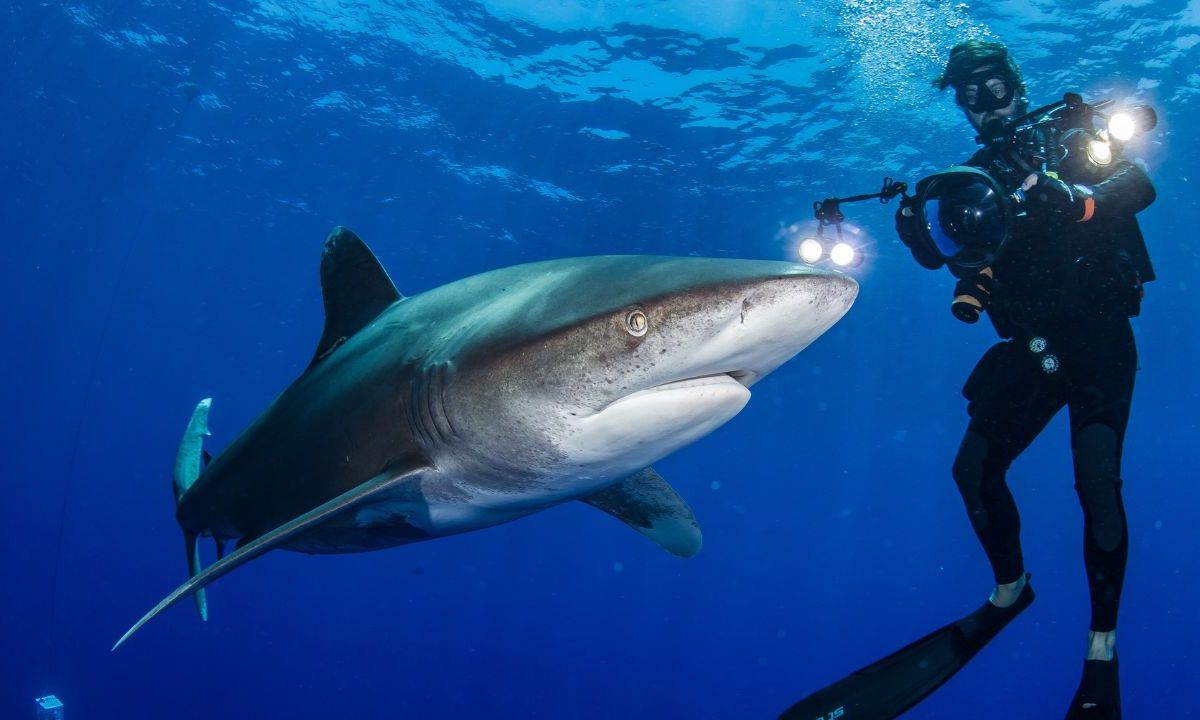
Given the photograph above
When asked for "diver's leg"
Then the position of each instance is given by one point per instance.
(1010, 402)
(1105, 550)
(1097, 450)
(1100, 393)
(979, 473)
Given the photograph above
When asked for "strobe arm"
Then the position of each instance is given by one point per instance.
(829, 212)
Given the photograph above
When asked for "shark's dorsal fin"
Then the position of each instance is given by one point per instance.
(354, 287)
(370, 490)
(646, 503)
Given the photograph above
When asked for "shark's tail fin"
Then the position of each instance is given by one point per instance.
(189, 461)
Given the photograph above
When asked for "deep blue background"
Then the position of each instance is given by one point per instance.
(164, 195)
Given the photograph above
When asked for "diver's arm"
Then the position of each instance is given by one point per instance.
(1127, 191)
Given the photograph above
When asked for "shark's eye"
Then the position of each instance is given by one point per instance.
(636, 323)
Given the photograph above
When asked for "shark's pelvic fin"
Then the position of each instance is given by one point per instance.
(193, 555)
(190, 460)
(646, 503)
(369, 490)
(355, 289)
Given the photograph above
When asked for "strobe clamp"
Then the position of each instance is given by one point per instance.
(829, 211)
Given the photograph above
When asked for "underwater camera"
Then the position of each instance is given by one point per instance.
(964, 215)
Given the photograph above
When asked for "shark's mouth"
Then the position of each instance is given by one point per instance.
(638, 429)
(724, 378)
(735, 382)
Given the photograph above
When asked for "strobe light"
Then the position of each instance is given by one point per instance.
(1123, 125)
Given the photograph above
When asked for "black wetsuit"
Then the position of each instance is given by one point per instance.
(1062, 299)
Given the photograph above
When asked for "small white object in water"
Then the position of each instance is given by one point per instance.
(49, 708)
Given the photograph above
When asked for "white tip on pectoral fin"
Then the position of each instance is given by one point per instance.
(365, 492)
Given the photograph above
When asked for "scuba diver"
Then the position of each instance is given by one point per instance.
(1039, 229)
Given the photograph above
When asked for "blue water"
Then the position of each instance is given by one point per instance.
(169, 174)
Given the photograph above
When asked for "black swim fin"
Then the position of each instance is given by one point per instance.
(1101, 687)
(889, 687)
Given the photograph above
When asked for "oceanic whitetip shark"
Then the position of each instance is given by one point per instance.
(494, 397)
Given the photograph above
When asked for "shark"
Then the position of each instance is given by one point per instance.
(493, 397)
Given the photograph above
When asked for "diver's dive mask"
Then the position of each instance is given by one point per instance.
(986, 90)
(964, 217)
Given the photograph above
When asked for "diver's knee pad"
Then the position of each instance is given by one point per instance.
(1099, 485)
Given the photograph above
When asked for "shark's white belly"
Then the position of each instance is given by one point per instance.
(440, 508)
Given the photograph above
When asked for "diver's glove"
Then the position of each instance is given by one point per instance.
(906, 228)
(1043, 194)
(972, 295)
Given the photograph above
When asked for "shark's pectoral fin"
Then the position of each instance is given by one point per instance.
(370, 490)
(646, 503)
(354, 287)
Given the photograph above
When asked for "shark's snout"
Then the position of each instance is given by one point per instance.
(756, 328)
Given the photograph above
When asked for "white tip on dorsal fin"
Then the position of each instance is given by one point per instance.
(367, 491)
(646, 503)
(355, 289)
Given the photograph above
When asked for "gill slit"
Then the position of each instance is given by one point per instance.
(416, 420)
(441, 417)
(427, 407)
